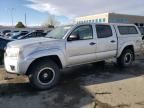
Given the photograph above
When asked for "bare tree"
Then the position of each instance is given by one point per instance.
(51, 22)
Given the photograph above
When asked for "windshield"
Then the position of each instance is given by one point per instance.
(59, 32)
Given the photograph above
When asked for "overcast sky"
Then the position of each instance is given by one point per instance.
(66, 10)
(87, 7)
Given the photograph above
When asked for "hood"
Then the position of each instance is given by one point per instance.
(30, 41)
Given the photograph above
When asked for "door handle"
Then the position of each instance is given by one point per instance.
(112, 41)
(92, 43)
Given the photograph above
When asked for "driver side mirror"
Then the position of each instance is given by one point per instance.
(73, 37)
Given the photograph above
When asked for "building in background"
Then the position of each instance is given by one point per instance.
(112, 18)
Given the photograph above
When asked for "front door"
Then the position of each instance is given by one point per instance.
(82, 49)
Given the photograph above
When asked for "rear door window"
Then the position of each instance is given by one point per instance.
(104, 31)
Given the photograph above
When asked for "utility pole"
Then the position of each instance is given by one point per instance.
(25, 19)
(12, 18)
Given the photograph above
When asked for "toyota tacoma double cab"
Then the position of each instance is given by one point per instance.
(41, 59)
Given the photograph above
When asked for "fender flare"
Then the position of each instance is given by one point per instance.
(120, 50)
(45, 53)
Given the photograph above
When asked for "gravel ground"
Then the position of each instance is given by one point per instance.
(87, 86)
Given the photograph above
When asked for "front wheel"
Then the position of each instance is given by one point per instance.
(44, 75)
(126, 59)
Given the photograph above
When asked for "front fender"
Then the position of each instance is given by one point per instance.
(47, 52)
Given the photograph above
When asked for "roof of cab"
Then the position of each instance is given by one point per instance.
(116, 24)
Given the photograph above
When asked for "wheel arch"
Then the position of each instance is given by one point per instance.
(130, 46)
(54, 58)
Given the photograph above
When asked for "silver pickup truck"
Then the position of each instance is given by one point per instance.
(42, 58)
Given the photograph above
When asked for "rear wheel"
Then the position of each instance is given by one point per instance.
(126, 59)
(45, 75)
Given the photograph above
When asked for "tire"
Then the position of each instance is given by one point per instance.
(44, 75)
(126, 58)
(1, 57)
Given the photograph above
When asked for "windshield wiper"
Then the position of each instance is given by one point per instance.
(49, 37)
(52, 37)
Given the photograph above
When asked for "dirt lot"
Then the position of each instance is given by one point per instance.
(88, 86)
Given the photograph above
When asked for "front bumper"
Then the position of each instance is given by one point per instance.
(16, 66)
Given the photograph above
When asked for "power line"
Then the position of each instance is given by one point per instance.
(11, 10)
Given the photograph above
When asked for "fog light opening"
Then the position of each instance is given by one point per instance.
(12, 68)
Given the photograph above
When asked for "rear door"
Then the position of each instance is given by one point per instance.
(106, 42)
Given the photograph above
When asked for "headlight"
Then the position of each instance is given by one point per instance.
(13, 52)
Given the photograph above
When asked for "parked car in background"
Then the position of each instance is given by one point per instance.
(15, 31)
(42, 58)
(6, 33)
(1, 34)
(9, 34)
(141, 30)
(35, 34)
(18, 34)
(3, 44)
